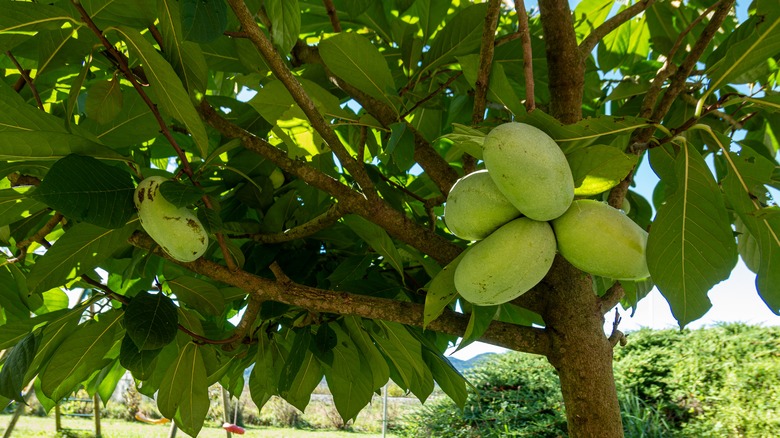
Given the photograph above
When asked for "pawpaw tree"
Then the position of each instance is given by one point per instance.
(316, 141)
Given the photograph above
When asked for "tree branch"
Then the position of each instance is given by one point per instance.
(593, 38)
(519, 338)
(565, 67)
(334, 18)
(612, 297)
(280, 70)
(26, 77)
(524, 31)
(377, 211)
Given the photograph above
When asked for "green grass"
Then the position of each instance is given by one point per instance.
(39, 427)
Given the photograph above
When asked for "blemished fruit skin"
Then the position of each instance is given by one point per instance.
(178, 232)
(475, 207)
(530, 170)
(602, 240)
(507, 263)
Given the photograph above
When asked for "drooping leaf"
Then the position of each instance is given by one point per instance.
(479, 321)
(598, 168)
(183, 393)
(499, 88)
(167, 87)
(80, 355)
(269, 364)
(448, 378)
(112, 12)
(186, 57)
(20, 20)
(12, 375)
(203, 20)
(285, 18)
(588, 15)
(404, 352)
(85, 189)
(104, 101)
(180, 195)
(108, 379)
(198, 294)
(377, 238)
(139, 362)
(353, 57)
(691, 247)
(134, 124)
(80, 249)
(349, 378)
(441, 291)
(380, 371)
(151, 321)
(301, 374)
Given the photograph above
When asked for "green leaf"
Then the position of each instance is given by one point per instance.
(108, 379)
(285, 18)
(754, 42)
(380, 371)
(50, 145)
(403, 351)
(75, 91)
(134, 124)
(499, 88)
(481, 317)
(198, 294)
(588, 15)
(183, 391)
(352, 57)
(297, 382)
(583, 133)
(80, 249)
(269, 363)
(13, 332)
(378, 239)
(180, 195)
(80, 355)
(167, 87)
(151, 321)
(349, 378)
(20, 20)
(104, 101)
(203, 21)
(598, 168)
(626, 46)
(448, 378)
(113, 12)
(17, 115)
(12, 375)
(186, 57)
(85, 189)
(16, 204)
(691, 247)
(747, 174)
(461, 36)
(441, 291)
(139, 362)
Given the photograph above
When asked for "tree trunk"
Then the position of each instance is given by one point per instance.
(581, 353)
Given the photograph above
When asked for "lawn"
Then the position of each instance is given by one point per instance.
(38, 427)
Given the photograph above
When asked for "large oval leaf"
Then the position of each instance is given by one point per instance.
(151, 321)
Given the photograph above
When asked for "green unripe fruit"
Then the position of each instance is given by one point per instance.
(530, 169)
(602, 240)
(277, 178)
(507, 263)
(475, 207)
(178, 232)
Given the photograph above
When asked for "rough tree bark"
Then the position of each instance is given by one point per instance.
(581, 353)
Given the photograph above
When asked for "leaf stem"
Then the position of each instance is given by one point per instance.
(26, 77)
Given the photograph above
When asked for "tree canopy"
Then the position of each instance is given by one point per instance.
(317, 141)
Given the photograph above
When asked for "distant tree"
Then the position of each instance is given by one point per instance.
(317, 142)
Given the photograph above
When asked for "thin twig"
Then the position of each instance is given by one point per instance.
(27, 79)
(107, 291)
(334, 19)
(39, 237)
(157, 36)
(523, 29)
(319, 223)
(433, 94)
(593, 38)
(131, 77)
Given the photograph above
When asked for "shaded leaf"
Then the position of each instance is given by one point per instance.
(285, 18)
(461, 36)
(377, 238)
(203, 20)
(85, 189)
(104, 101)
(180, 195)
(441, 291)
(15, 203)
(479, 321)
(186, 57)
(348, 377)
(448, 378)
(198, 294)
(12, 375)
(183, 393)
(139, 362)
(151, 321)
(77, 251)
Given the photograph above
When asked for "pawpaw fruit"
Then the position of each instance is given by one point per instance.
(475, 207)
(530, 170)
(602, 240)
(507, 263)
(177, 230)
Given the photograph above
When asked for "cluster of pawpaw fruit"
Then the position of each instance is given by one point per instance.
(521, 211)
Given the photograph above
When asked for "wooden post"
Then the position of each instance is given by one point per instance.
(96, 413)
(173, 429)
(226, 408)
